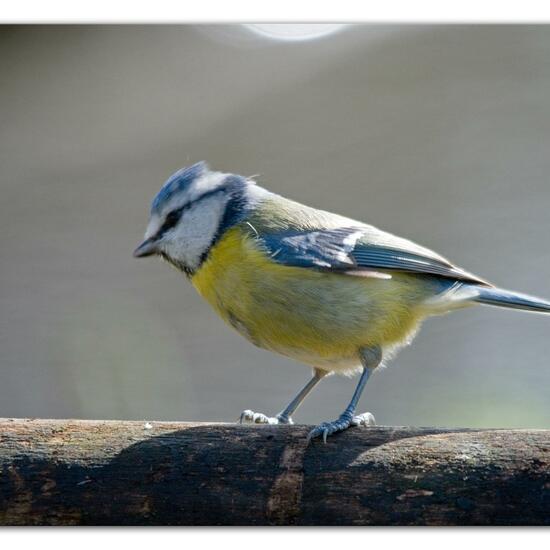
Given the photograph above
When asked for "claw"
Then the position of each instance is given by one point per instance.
(343, 423)
(245, 415)
(251, 417)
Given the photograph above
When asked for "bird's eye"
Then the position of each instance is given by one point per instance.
(171, 219)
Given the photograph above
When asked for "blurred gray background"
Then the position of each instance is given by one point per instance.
(437, 133)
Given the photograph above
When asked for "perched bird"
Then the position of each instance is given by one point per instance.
(325, 290)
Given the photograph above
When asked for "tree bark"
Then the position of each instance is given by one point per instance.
(75, 472)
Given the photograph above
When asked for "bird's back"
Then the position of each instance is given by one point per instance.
(275, 214)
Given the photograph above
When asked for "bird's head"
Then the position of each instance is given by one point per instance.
(190, 212)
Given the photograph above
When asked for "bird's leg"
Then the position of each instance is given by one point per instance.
(371, 358)
(284, 415)
(251, 417)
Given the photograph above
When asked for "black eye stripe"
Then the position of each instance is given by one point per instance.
(170, 221)
(173, 217)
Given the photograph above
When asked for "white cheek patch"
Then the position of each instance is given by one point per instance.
(196, 230)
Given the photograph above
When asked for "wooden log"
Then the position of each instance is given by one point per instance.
(75, 472)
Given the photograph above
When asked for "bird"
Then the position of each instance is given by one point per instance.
(333, 293)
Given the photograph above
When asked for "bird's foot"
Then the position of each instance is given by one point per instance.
(251, 417)
(343, 423)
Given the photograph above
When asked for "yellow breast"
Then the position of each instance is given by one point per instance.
(316, 317)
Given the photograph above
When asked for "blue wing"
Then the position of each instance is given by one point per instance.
(346, 250)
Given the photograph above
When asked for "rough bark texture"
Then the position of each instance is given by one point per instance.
(67, 472)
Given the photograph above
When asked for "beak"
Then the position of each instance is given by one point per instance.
(146, 248)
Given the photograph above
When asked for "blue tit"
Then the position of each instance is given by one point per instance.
(328, 291)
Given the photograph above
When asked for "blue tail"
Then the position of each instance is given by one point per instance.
(505, 298)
